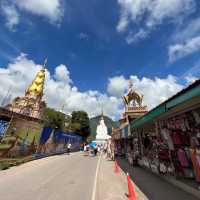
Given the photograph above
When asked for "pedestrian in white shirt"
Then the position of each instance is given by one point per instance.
(69, 148)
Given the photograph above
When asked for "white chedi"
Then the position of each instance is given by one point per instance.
(102, 131)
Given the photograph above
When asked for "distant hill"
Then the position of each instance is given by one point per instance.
(108, 121)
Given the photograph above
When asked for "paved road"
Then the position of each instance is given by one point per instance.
(154, 187)
(54, 178)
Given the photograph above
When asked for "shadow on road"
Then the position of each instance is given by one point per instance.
(154, 187)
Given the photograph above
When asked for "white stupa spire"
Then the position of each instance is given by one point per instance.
(102, 130)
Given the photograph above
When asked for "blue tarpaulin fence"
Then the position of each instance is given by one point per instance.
(58, 142)
(46, 132)
(59, 136)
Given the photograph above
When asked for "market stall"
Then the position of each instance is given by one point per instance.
(169, 135)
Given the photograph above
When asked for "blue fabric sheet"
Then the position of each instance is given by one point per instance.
(59, 136)
(46, 132)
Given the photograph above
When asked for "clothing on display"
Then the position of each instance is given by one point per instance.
(166, 136)
(184, 135)
(182, 158)
(170, 150)
(195, 164)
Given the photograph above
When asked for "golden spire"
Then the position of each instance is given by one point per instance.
(37, 86)
(45, 63)
(130, 84)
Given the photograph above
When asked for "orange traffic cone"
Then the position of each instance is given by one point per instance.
(116, 167)
(131, 192)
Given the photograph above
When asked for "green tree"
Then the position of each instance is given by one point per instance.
(56, 119)
(80, 123)
(90, 138)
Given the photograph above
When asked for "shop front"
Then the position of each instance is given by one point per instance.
(169, 136)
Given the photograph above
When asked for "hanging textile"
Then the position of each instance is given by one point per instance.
(182, 158)
(166, 136)
(195, 164)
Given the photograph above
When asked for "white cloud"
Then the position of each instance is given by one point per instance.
(171, 9)
(185, 40)
(150, 13)
(181, 50)
(135, 37)
(117, 86)
(131, 10)
(52, 10)
(62, 74)
(191, 79)
(11, 14)
(154, 90)
(123, 22)
(187, 31)
(83, 36)
(59, 89)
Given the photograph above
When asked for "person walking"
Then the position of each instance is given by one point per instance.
(95, 150)
(69, 148)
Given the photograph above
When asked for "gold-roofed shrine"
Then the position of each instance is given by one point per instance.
(31, 104)
(133, 102)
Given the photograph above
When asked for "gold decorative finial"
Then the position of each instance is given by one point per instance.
(130, 84)
(45, 63)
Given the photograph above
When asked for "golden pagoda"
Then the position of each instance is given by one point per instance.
(31, 104)
(37, 86)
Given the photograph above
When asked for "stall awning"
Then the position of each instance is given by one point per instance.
(149, 116)
(186, 94)
(124, 132)
(184, 97)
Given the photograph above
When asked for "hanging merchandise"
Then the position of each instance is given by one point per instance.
(196, 164)
(163, 168)
(181, 134)
(196, 116)
(166, 136)
(182, 158)
(135, 151)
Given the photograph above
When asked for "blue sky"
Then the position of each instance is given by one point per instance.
(103, 43)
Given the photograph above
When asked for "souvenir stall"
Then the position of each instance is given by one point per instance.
(135, 154)
(116, 140)
(129, 153)
(133, 148)
(174, 146)
(123, 146)
(156, 155)
(149, 148)
(127, 144)
(169, 136)
(181, 133)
